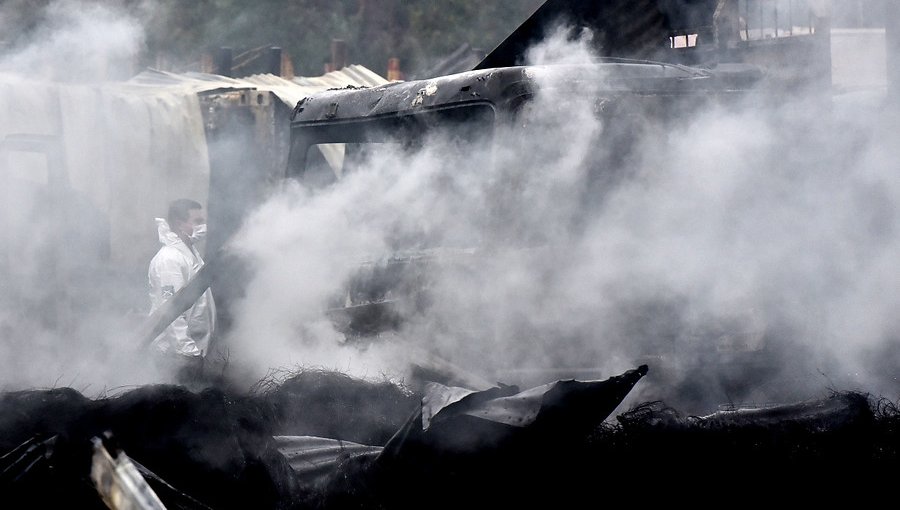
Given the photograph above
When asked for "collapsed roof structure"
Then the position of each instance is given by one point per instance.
(441, 448)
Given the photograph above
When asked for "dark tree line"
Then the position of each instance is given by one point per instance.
(180, 32)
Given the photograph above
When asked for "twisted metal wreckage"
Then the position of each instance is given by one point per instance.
(164, 445)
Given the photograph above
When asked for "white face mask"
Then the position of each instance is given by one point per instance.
(199, 233)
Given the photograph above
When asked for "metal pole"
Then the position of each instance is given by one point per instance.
(393, 71)
(338, 54)
(823, 42)
(223, 61)
(273, 61)
(761, 21)
(747, 20)
(776, 19)
(892, 50)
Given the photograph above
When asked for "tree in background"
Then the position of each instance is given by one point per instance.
(419, 32)
(416, 31)
(179, 32)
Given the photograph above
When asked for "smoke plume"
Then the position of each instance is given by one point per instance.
(747, 252)
(71, 298)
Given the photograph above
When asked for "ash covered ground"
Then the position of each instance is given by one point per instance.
(219, 449)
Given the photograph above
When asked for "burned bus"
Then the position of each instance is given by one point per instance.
(479, 114)
(680, 64)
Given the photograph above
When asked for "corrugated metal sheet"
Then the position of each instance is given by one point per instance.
(350, 75)
(315, 459)
(289, 91)
(121, 140)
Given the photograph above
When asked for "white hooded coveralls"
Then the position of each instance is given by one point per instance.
(173, 266)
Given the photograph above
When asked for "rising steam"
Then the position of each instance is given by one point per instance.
(76, 42)
(749, 254)
(68, 312)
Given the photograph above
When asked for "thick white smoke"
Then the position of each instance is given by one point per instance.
(68, 307)
(746, 253)
(76, 41)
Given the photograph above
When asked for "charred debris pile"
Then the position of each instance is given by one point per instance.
(325, 440)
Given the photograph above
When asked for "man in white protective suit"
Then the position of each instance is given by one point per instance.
(186, 341)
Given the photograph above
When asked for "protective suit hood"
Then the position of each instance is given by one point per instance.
(166, 236)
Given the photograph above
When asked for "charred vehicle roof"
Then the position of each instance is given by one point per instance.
(628, 91)
(502, 87)
(404, 110)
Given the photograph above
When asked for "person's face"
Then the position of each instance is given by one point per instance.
(195, 217)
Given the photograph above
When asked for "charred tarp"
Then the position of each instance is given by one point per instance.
(211, 446)
(219, 451)
(502, 446)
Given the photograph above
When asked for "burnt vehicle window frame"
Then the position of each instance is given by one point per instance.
(408, 128)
